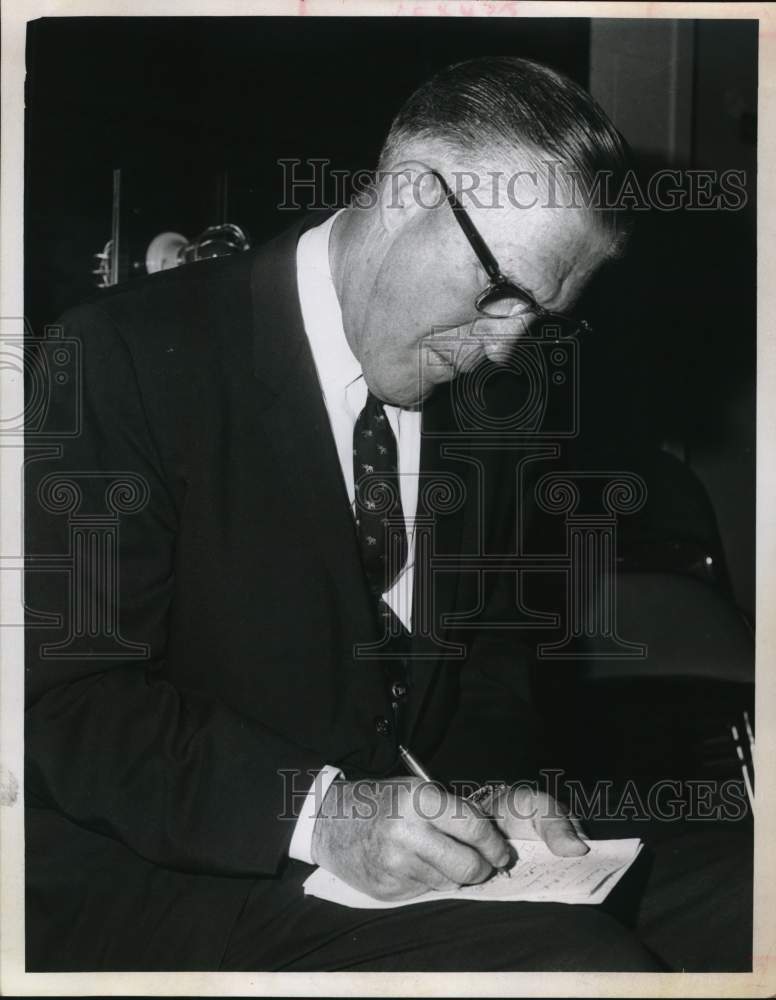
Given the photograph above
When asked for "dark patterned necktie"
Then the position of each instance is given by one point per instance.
(380, 524)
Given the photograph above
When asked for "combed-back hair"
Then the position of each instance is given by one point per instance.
(502, 108)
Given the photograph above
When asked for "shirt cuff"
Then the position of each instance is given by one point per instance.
(301, 845)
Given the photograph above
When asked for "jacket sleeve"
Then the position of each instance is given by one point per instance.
(183, 781)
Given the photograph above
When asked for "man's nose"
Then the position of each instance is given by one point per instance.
(498, 336)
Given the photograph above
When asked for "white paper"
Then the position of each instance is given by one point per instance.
(537, 876)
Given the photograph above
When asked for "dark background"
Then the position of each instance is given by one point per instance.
(175, 102)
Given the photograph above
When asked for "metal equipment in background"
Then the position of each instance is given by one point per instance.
(167, 249)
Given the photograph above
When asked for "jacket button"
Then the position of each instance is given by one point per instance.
(382, 725)
(398, 690)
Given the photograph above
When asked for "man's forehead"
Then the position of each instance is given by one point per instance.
(518, 186)
(544, 246)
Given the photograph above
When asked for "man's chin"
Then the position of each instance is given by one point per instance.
(412, 393)
(415, 400)
(405, 397)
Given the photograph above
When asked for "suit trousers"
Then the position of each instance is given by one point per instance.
(686, 904)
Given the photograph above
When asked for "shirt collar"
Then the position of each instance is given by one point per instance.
(337, 366)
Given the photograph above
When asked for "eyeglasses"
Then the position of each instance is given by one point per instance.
(503, 298)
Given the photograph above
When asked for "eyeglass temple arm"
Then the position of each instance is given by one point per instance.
(487, 259)
(471, 233)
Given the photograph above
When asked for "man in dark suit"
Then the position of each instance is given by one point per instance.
(249, 626)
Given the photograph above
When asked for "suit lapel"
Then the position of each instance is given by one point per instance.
(297, 424)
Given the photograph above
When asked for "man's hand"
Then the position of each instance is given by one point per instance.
(522, 813)
(398, 839)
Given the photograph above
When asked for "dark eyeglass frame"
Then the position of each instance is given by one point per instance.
(498, 282)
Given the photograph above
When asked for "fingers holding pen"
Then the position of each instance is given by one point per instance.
(452, 838)
(470, 845)
(462, 825)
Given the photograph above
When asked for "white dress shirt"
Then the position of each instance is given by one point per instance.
(344, 391)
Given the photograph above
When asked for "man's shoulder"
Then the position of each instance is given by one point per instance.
(170, 295)
(210, 299)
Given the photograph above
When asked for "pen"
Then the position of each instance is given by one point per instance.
(414, 766)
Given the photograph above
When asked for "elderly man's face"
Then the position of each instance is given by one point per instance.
(421, 327)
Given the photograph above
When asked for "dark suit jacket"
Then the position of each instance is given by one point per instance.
(155, 752)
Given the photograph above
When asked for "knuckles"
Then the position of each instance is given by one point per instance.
(479, 828)
(471, 870)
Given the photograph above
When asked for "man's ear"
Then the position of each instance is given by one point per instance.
(405, 190)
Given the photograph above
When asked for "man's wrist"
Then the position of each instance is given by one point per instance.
(301, 846)
(328, 809)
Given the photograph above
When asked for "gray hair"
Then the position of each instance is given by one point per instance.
(502, 105)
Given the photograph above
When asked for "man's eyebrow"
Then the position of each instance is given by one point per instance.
(562, 269)
(550, 292)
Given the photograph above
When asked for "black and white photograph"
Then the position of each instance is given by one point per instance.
(381, 546)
